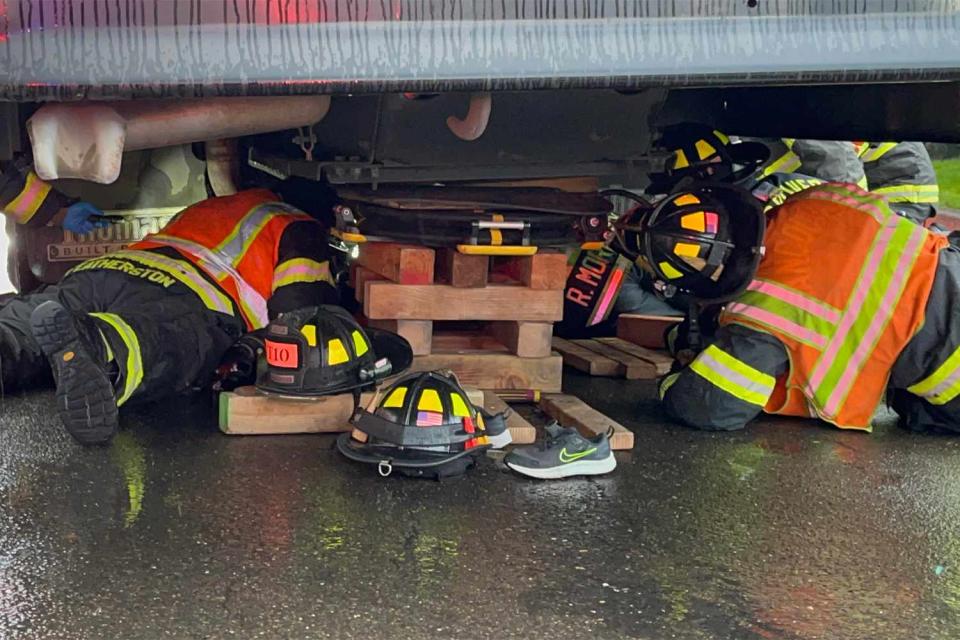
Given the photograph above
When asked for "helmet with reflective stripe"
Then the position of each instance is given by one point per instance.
(424, 424)
(704, 240)
(317, 351)
(704, 153)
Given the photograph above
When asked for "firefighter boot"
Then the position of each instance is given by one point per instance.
(85, 396)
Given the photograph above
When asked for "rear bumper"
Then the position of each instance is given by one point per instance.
(222, 47)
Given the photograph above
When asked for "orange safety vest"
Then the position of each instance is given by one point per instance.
(844, 286)
(234, 240)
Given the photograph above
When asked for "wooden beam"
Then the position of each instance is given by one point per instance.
(580, 184)
(525, 339)
(571, 411)
(419, 333)
(586, 360)
(660, 359)
(249, 412)
(521, 431)
(633, 367)
(361, 276)
(498, 371)
(386, 300)
(646, 331)
(401, 263)
(461, 270)
(543, 271)
(466, 342)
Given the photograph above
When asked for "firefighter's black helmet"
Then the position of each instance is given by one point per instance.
(703, 153)
(703, 240)
(322, 350)
(424, 425)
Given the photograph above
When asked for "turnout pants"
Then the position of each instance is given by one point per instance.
(161, 339)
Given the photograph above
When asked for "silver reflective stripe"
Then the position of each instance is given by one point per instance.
(251, 302)
(235, 245)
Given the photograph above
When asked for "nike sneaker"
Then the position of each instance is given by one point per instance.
(563, 453)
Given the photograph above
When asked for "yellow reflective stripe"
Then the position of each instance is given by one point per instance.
(27, 203)
(917, 193)
(787, 163)
(733, 376)
(301, 270)
(132, 368)
(943, 385)
(666, 383)
(874, 153)
(211, 296)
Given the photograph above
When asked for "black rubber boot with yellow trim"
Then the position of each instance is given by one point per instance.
(86, 399)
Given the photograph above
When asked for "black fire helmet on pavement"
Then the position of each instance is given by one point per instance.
(424, 425)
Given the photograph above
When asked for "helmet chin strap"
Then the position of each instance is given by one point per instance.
(694, 337)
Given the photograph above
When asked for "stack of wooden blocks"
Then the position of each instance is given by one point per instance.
(488, 319)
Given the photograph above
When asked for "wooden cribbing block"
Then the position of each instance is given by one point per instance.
(361, 276)
(402, 263)
(248, 412)
(521, 431)
(542, 271)
(386, 300)
(466, 342)
(419, 333)
(646, 331)
(571, 411)
(586, 360)
(633, 367)
(461, 270)
(658, 359)
(497, 370)
(525, 339)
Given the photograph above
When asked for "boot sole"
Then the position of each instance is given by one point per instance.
(85, 398)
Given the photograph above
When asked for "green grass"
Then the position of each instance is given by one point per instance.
(948, 175)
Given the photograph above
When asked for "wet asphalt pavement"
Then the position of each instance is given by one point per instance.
(786, 530)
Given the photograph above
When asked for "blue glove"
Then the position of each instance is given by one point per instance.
(78, 218)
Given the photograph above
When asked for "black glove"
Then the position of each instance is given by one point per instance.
(238, 367)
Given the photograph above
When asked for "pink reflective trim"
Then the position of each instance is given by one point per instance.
(772, 319)
(795, 299)
(27, 201)
(877, 323)
(854, 307)
(875, 212)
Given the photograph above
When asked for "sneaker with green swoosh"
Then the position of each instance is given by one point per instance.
(563, 453)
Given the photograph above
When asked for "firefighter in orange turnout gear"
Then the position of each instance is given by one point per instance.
(157, 318)
(849, 301)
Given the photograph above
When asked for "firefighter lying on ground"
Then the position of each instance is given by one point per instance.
(839, 302)
(157, 318)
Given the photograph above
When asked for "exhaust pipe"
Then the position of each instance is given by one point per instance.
(87, 140)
